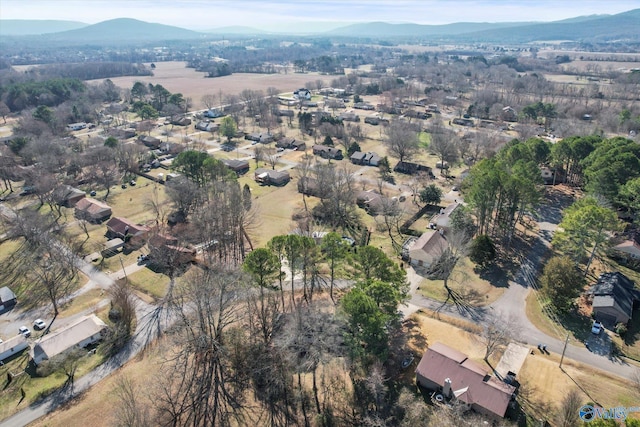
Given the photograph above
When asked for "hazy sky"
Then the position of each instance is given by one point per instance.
(205, 14)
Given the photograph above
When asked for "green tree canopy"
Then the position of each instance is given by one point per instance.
(431, 195)
(613, 162)
(201, 168)
(561, 282)
(584, 228)
(262, 265)
(482, 250)
(228, 128)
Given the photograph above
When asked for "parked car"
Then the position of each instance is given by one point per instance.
(39, 324)
(596, 328)
(25, 331)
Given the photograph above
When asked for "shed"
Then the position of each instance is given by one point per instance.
(7, 298)
(12, 346)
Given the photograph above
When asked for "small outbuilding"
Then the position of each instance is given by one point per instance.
(12, 346)
(7, 298)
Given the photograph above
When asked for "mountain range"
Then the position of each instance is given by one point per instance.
(622, 26)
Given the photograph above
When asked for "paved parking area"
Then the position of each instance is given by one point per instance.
(512, 359)
(599, 344)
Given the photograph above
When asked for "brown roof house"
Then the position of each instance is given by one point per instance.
(92, 210)
(87, 330)
(629, 248)
(238, 166)
(458, 379)
(271, 177)
(614, 298)
(374, 203)
(67, 196)
(132, 233)
(327, 152)
(165, 250)
(427, 248)
(150, 141)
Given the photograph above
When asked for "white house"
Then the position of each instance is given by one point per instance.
(12, 346)
(85, 331)
(443, 220)
(427, 248)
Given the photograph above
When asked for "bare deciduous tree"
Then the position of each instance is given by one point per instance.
(130, 410)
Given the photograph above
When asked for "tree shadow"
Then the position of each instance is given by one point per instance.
(591, 398)
(494, 275)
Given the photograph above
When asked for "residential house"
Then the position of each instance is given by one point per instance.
(181, 121)
(286, 113)
(12, 346)
(364, 106)
(238, 166)
(86, 331)
(92, 210)
(349, 116)
(121, 133)
(309, 187)
(207, 126)
(614, 298)
(373, 202)
(629, 248)
(299, 145)
(327, 152)
(271, 177)
(132, 233)
(459, 379)
(367, 159)
(77, 126)
(285, 142)
(213, 114)
(443, 219)
(427, 248)
(302, 93)
(7, 298)
(165, 249)
(410, 168)
(263, 138)
(508, 114)
(376, 120)
(462, 121)
(150, 141)
(67, 196)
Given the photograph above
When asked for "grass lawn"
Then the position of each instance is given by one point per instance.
(544, 385)
(477, 290)
(83, 302)
(149, 282)
(578, 327)
(95, 408)
(33, 386)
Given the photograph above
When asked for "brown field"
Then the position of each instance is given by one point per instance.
(175, 77)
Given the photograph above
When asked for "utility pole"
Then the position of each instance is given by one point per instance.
(566, 341)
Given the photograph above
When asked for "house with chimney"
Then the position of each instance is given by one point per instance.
(327, 152)
(614, 298)
(427, 248)
(454, 378)
(130, 232)
(92, 210)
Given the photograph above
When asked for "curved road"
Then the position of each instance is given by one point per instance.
(510, 306)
